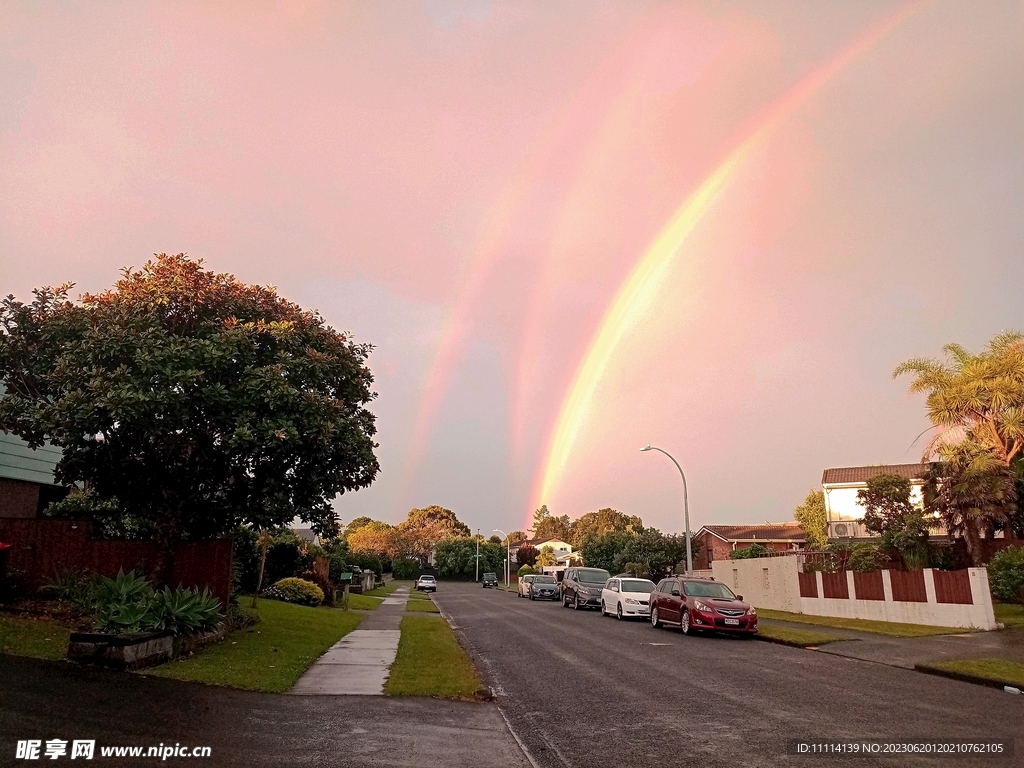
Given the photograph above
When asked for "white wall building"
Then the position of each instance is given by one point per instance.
(845, 514)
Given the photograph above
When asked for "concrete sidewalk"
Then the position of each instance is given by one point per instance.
(905, 652)
(359, 663)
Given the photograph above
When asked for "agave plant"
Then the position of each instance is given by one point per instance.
(184, 611)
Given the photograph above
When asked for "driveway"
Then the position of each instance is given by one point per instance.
(585, 691)
(58, 700)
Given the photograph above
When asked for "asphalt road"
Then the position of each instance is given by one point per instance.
(58, 700)
(585, 691)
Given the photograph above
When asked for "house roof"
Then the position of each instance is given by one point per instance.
(538, 543)
(305, 534)
(763, 532)
(863, 474)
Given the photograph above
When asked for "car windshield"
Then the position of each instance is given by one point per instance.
(637, 585)
(594, 576)
(490, 575)
(528, 579)
(707, 589)
(543, 580)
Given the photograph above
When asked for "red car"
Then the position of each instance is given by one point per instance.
(701, 604)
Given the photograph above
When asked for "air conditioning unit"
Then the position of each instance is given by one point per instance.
(847, 529)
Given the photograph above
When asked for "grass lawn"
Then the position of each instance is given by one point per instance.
(1011, 614)
(790, 636)
(270, 655)
(418, 596)
(1007, 672)
(431, 662)
(427, 606)
(862, 625)
(33, 637)
(363, 602)
(387, 589)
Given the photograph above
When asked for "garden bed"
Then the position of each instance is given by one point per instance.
(135, 651)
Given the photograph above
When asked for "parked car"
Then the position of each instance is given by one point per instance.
(701, 604)
(426, 584)
(581, 587)
(627, 597)
(490, 580)
(523, 590)
(543, 587)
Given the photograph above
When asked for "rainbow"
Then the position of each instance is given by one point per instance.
(643, 284)
(564, 129)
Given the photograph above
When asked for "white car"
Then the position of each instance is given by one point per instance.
(426, 584)
(627, 597)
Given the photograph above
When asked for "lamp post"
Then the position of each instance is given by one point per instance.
(508, 559)
(686, 507)
(477, 576)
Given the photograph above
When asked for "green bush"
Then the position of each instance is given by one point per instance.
(745, 553)
(127, 604)
(1006, 574)
(866, 557)
(298, 591)
(404, 567)
(525, 570)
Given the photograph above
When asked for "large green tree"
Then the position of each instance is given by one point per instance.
(547, 526)
(196, 400)
(813, 519)
(601, 522)
(888, 511)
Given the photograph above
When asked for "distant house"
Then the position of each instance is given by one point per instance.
(562, 549)
(717, 541)
(27, 486)
(306, 535)
(841, 484)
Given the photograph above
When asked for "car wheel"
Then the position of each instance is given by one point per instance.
(684, 623)
(655, 621)
(531, 596)
(618, 611)
(575, 602)
(565, 600)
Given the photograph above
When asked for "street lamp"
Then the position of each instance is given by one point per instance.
(686, 507)
(508, 561)
(477, 577)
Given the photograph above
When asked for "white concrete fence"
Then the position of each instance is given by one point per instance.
(776, 583)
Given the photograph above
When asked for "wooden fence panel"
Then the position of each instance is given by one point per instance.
(808, 584)
(834, 585)
(42, 549)
(868, 586)
(908, 586)
(953, 587)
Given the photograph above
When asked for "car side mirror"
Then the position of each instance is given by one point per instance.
(675, 593)
(739, 597)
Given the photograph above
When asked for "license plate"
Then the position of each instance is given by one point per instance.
(733, 622)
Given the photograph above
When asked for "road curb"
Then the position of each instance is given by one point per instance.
(780, 641)
(965, 677)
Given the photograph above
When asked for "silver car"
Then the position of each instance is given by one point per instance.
(543, 587)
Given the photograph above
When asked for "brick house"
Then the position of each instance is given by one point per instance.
(27, 486)
(717, 541)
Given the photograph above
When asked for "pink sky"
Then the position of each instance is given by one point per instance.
(468, 184)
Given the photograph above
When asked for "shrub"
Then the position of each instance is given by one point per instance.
(127, 604)
(299, 591)
(525, 571)
(745, 553)
(404, 567)
(637, 570)
(1006, 574)
(866, 557)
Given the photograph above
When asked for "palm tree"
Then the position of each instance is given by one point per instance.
(977, 401)
(978, 396)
